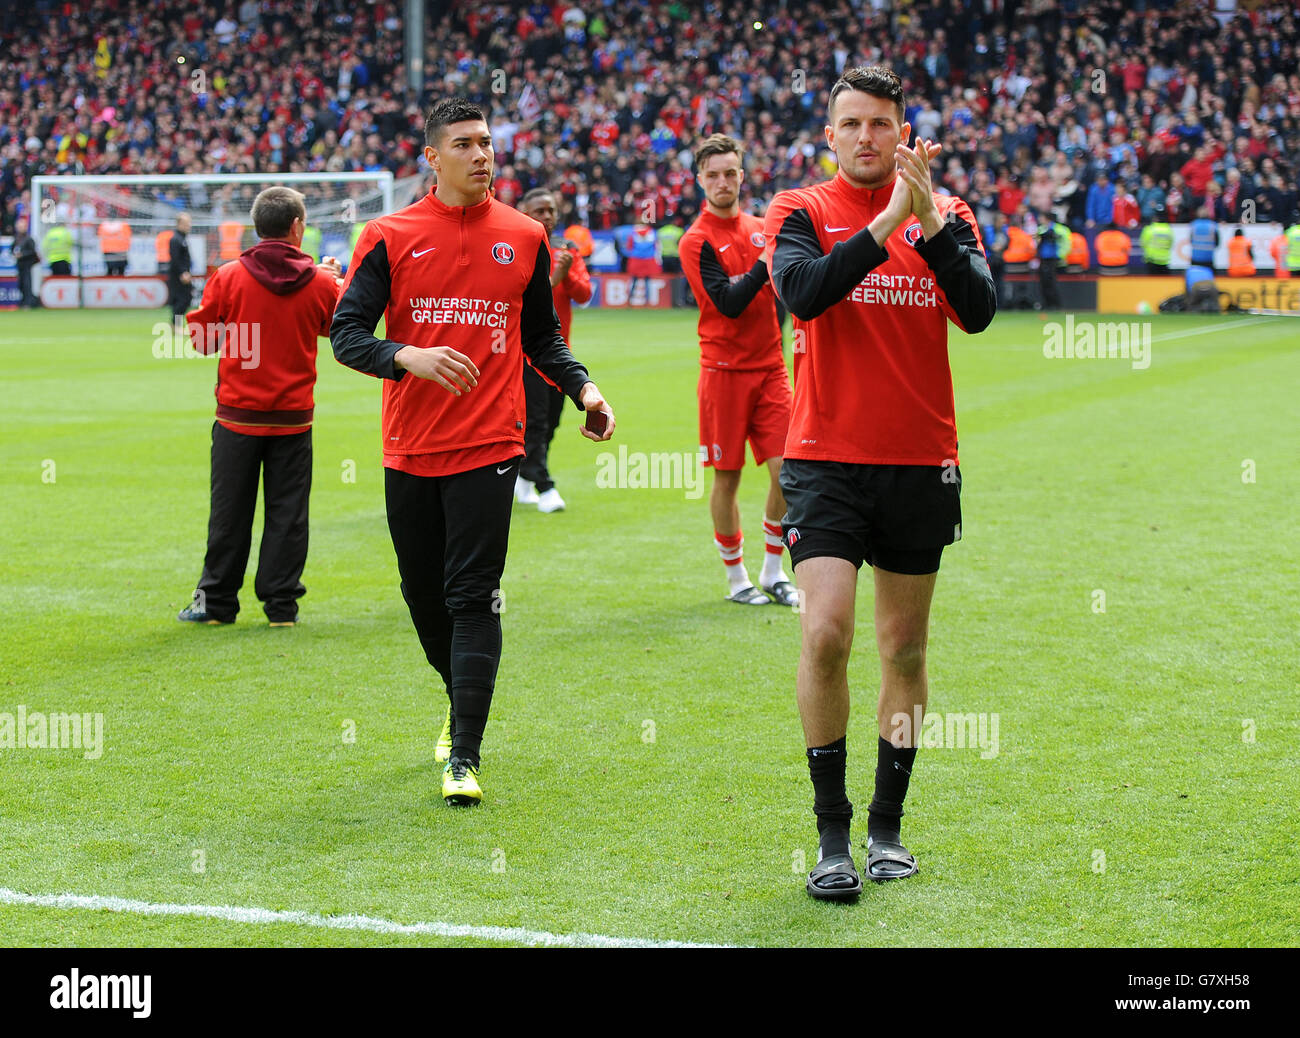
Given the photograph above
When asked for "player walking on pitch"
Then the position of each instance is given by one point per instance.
(570, 283)
(463, 282)
(744, 391)
(873, 264)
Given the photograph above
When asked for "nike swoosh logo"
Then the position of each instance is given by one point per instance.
(724, 248)
(417, 255)
(502, 472)
(832, 230)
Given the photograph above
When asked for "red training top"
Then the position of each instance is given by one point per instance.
(871, 378)
(262, 315)
(475, 278)
(723, 262)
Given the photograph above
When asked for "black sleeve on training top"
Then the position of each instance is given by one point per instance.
(352, 332)
(810, 281)
(730, 297)
(962, 272)
(539, 331)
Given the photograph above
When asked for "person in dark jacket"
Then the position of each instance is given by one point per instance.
(1049, 254)
(26, 257)
(180, 289)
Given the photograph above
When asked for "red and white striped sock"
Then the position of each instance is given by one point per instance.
(732, 549)
(775, 544)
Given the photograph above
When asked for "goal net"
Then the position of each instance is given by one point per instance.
(117, 220)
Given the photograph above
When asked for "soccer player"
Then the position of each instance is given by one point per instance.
(872, 264)
(262, 314)
(570, 283)
(744, 391)
(463, 283)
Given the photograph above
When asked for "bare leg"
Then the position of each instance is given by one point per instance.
(828, 587)
(722, 501)
(775, 499)
(902, 629)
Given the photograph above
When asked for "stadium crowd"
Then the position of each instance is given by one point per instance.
(1083, 114)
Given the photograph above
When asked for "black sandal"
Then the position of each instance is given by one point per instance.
(837, 867)
(784, 592)
(887, 860)
(749, 596)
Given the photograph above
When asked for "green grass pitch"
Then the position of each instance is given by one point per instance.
(644, 768)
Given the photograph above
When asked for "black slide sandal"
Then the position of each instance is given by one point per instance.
(837, 867)
(887, 860)
(784, 592)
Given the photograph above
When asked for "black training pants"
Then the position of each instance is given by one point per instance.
(238, 460)
(545, 405)
(451, 534)
(1051, 296)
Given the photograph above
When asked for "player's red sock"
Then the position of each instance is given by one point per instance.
(731, 546)
(775, 545)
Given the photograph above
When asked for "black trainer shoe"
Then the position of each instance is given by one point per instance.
(193, 615)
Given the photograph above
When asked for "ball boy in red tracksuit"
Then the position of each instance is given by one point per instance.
(262, 314)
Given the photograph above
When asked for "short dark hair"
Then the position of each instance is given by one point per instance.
(275, 209)
(536, 193)
(447, 111)
(876, 80)
(717, 144)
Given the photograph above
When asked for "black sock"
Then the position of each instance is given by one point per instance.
(826, 766)
(470, 714)
(893, 772)
(475, 653)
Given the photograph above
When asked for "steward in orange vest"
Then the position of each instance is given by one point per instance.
(1241, 262)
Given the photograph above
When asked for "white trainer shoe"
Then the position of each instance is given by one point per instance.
(550, 501)
(525, 492)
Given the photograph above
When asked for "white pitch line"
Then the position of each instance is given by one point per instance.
(1207, 329)
(235, 914)
(1165, 337)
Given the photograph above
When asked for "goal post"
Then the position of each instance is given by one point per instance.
(96, 217)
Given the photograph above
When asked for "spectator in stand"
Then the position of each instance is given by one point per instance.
(1149, 196)
(1101, 203)
(1126, 214)
(1198, 171)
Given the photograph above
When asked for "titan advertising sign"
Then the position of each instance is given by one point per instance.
(104, 293)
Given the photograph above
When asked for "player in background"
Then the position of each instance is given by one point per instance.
(262, 315)
(872, 264)
(463, 282)
(744, 391)
(570, 283)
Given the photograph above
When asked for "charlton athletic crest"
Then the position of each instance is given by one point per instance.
(912, 234)
(757, 239)
(503, 253)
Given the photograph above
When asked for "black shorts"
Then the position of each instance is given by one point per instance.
(896, 517)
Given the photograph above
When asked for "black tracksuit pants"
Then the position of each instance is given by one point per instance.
(545, 405)
(451, 534)
(238, 460)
